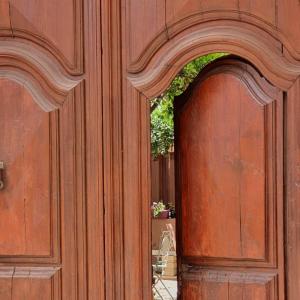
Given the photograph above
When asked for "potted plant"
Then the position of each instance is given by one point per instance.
(159, 210)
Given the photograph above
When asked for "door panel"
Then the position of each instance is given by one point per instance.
(25, 202)
(228, 161)
(231, 291)
(28, 288)
(42, 203)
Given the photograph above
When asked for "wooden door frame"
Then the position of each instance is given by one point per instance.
(149, 76)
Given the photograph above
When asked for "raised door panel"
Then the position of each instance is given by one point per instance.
(28, 288)
(224, 147)
(229, 180)
(28, 150)
(212, 290)
(42, 212)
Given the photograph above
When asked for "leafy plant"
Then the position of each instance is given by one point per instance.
(162, 124)
(158, 208)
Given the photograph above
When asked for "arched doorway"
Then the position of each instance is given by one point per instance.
(152, 74)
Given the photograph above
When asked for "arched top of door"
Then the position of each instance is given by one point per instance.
(262, 91)
(38, 70)
(152, 73)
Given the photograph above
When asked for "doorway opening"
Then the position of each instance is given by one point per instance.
(163, 208)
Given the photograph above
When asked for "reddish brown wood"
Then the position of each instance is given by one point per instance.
(50, 24)
(250, 30)
(5, 24)
(25, 203)
(292, 175)
(99, 217)
(227, 158)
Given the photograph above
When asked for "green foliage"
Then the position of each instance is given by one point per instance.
(162, 125)
(158, 208)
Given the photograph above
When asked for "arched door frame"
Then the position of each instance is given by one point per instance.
(148, 77)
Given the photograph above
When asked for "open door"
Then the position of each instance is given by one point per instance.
(229, 181)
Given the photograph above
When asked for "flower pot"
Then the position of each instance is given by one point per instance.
(164, 214)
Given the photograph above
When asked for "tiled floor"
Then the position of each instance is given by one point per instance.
(172, 287)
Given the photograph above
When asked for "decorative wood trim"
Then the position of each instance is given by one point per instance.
(112, 154)
(94, 148)
(232, 15)
(292, 191)
(261, 90)
(173, 28)
(210, 275)
(40, 73)
(154, 71)
(45, 272)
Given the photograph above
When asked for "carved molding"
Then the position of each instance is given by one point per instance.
(44, 272)
(155, 69)
(188, 20)
(209, 275)
(38, 71)
(262, 91)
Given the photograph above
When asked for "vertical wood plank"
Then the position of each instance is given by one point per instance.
(292, 190)
(94, 151)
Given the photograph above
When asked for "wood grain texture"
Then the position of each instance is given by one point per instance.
(177, 9)
(154, 70)
(103, 218)
(38, 70)
(266, 10)
(45, 272)
(228, 153)
(222, 154)
(144, 12)
(56, 25)
(41, 60)
(151, 71)
(272, 16)
(5, 21)
(93, 146)
(292, 175)
(289, 23)
(18, 289)
(25, 151)
(40, 207)
(226, 291)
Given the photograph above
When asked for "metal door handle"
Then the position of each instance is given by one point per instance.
(1, 175)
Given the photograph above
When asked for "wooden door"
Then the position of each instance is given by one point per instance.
(229, 165)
